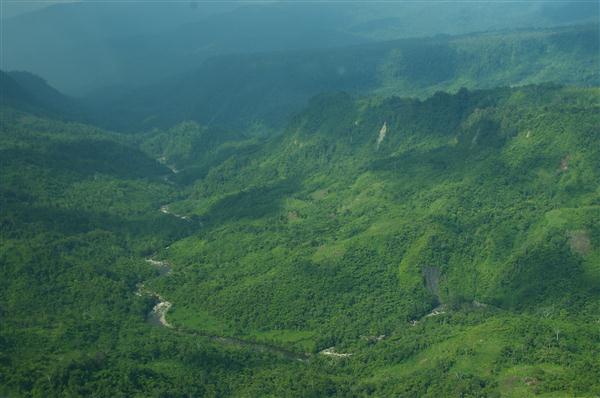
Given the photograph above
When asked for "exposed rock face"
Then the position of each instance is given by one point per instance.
(332, 353)
(159, 313)
(163, 267)
(382, 134)
(564, 163)
(432, 280)
(579, 241)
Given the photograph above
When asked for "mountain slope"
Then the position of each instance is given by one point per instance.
(11, 92)
(399, 247)
(78, 46)
(79, 224)
(428, 239)
(258, 92)
(82, 46)
(28, 92)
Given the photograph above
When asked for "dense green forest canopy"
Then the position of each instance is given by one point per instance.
(79, 216)
(260, 91)
(300, 199)
(442, 247)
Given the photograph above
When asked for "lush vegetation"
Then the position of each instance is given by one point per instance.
(286, 208)
(258, 91)
(451, 245)
(79, 216)
(85, 46)
(328, 238)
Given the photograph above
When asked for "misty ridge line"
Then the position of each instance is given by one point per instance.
(307, 199)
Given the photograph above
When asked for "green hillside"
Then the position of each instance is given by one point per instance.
(450, 245)
(79, 217)
(397, 247)
(300, 199)
(30, 93)
(259, 92)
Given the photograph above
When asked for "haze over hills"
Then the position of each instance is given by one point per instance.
(246, 204)
(242, 91)
(83, 46)
(25, 90)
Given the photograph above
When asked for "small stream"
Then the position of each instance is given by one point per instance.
(157, 317)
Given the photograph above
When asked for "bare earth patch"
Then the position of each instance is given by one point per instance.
(564, 163)
(580, 242)
(320, 194)
(163, 267)
(382, 134)
(159, 313)
(165, 210)
(332, 353)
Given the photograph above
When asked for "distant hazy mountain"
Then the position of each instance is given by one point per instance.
(81, 45)
(305, 209)
(87, 45)
(41, 91)
(11, 90)
(26, 91)
(242, 91)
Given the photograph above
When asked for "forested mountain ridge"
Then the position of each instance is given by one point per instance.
(340, 141)
(300, 199)
(83, 46)
(80, 219)
(258, 92)
(443, 247)
(31, 93)
(396, 230)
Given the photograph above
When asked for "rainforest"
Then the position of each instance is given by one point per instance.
(300, 199)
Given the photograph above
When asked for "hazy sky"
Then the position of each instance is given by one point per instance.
(10, 8)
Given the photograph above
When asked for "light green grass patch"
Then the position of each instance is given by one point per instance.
(197, 319)
(517, 382)
(473, 351)
(329, 252)
(299, 339)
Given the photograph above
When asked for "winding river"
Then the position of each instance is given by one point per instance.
(158, 316)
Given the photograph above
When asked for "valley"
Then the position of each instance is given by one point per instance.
(299, 248)
(393, 200)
